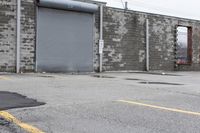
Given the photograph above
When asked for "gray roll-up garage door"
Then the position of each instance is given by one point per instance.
(64, 41)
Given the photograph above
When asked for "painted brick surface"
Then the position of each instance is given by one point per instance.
(7, 35)
(96, 41)
(28, 33)
(123, 32)
(124, 35)
(162, 37)
(8, 22)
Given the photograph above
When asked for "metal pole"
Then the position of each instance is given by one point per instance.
(101, 41)
(18, 36)
(101, 22)
(147, 45)
(126, 5)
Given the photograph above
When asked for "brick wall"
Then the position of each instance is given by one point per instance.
(8, 22)
(7, 35)
(28, 33)
(124, 36)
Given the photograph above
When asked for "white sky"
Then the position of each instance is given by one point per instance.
(180, 8)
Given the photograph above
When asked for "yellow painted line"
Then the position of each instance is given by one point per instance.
(4, 78)
(160, 107)
(7, 116)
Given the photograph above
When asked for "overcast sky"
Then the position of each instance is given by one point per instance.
(180, 8)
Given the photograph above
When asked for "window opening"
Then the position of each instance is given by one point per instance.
(184, 44)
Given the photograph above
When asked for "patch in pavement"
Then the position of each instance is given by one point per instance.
(101, 76)
(11, 100)
(160, 83)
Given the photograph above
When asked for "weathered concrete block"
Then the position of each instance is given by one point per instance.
(124, 34)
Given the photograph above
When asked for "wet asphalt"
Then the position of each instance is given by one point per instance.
(89, 103)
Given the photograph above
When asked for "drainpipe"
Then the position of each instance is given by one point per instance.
(147, 45)
(18, 36)
(101, 41)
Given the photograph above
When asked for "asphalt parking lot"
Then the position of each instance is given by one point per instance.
(134, 102)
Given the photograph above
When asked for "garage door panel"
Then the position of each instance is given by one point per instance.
(65, 41)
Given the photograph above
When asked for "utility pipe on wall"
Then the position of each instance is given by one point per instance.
(18, 36)
(147, 45)
(101, 41)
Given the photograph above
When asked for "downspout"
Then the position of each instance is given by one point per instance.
(18, 36)
(147, 45)
(101, 41)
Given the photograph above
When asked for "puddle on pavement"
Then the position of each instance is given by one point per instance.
(102, 76)
(132, 79)
(157, 73)
(46, 76)
(160, 83)
(9, 100)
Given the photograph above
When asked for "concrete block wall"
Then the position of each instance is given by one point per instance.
(163, 40)
(123, 32)
(96, 41)
(28, 35)
(124, 35)
(162, 37)
(7, 35)
(8, 22)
